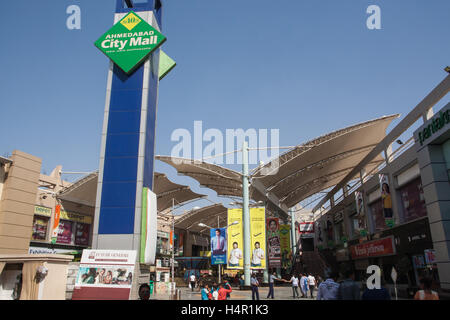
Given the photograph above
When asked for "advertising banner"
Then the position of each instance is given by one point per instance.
(218, 246)
(56, 223)
(235, 239)
(149, 225)
(306, 229)
(64, 232)
(361, 214)
(376, 248)
(258, 238)
(105, 274)
(39, 228)
(386, 200)
(285, 244)
(82, 234)
(273, 242)
(430, 256)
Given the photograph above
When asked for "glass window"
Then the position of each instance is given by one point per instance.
(413, 200)
(40, 226)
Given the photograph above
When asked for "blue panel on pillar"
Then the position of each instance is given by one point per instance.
(122, 145)
(119, 194)
(125, 100)
(122, 81)
(124, 122)
(116, 221)
(120, 170)
(123, 6)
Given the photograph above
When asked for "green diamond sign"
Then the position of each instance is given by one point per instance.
(129, 42)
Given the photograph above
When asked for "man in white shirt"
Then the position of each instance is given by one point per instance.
(312, 284)
(192, 279)
(235, 256)
(294, 281)
(257, 256)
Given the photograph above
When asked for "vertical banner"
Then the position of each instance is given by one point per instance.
(387, 200)
(235, 240)
(285, 244)
(258, 238)
(218, 246)
(360, 213)
(148, 227)
(56, 223)
(273, 242)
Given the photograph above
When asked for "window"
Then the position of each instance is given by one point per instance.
(413, 200)
(82, 234)
(40, 226)
(376, 210)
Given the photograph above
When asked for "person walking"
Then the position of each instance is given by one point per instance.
(328, 290)
(426, 293)
(255, 284)
(312, 284)
(227, 286)
(192, 281)
(294, 281)
(214, 292)
(304, 285)
(272, 279)
(222, 293)
(349, 289)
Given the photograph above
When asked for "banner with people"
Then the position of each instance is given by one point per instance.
(218, 246)
(235, 240)
(273, 243)
(386, 200)
(258, 238)
(361, 214)
(285, 244)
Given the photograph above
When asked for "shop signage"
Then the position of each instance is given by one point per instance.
(419, 261)
(437, 123)
(162, 234)
(43, 211)
(130, 41)
(381, 247)
(71, 216)
(429, 256)
(105, 274)
(338, 217)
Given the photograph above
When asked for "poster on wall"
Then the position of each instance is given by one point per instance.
(361, 214)
(235, 240)
(82, 231)
(285, 244)
(258, 238)
(39, 228)
(218, 246)
(273, 243)
(386, 200)
(105, 275)
(64, 232)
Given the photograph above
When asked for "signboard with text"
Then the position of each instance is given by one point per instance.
(376, 248)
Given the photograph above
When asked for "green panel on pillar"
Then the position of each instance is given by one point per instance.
(166, 64)
(129, 42)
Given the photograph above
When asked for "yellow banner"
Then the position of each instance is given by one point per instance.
(75, 217)
(285, 244)
(258, 238)
(235, 259)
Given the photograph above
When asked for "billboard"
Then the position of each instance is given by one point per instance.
(218, 246)
(387, 200)
(235, 240)
(273, 242)
(285, 244)
(105, 274)
(258, 238)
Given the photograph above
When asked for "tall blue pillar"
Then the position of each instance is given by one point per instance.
(128, 142)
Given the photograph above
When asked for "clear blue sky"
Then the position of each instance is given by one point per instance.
(305, 67)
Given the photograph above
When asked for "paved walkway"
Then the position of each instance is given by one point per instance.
(281, 293)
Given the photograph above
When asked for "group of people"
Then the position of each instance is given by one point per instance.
(219, 291)
(349, 289)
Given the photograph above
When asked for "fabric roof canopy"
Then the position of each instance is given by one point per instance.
(299, 173)
(84, 191)
(225, 182)
(207, 215)
(321, 163)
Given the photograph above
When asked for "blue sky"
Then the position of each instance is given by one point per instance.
(304, 67)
